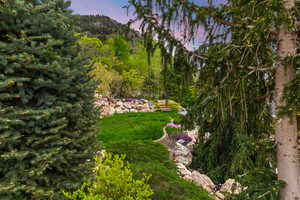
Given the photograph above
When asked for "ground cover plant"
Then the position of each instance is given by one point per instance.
(146, 156)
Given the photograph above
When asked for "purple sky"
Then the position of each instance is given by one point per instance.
(110, 8)
(114, 10)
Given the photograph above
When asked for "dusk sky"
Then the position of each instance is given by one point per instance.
(114, 10)
(110, 8)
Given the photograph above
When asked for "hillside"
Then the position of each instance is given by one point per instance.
(104, 27)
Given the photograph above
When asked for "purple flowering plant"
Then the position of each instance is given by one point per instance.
(174, 134)
(185, 138)
(172, 125)
(129, 99)
(173, 128)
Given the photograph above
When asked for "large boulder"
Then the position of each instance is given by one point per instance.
(203, 181)
(182, 154)
(181, 150)
(231, 186)
(118, 110)
(183, 171)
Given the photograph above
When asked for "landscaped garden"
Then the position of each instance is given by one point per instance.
(132, 134)
(230, 69)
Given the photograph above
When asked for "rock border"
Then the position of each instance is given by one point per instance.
(182, 155)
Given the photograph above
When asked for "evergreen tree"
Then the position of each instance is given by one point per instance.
(248, 61)
(47, 115)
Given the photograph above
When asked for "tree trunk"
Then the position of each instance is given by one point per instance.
(286, 125)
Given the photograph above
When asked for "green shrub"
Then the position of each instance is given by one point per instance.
(46, 102)
(173, 105)
(156, 106)
(114, 180)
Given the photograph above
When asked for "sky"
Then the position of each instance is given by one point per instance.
(114, 10)
(110, 8)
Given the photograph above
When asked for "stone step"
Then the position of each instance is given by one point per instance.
(166, 109)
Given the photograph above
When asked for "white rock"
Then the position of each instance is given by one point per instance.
(186, 160)
(188, 178)
(219, 195)
(183, 170)
(203, 181)
(206, 136)
(190, 146)
(181, 141)
(181, 150)
(231, 186)
(119, 103)
(118, 110)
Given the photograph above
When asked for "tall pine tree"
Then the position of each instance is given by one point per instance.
(249, 61)
(46, 102)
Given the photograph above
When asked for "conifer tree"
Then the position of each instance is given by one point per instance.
(248, 62)
(46, 102)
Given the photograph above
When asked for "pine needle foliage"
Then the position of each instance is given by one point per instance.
(46, 102)
(235, 69)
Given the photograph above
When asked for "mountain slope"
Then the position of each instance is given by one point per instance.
(104, 27)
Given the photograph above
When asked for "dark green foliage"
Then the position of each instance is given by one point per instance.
(236, 115)
(179, 81)
(235, 71)
(262, 184)
(46, 102)
(133, 126)
(104, 27)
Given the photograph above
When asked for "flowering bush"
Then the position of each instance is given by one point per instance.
(172, 129)
(172, 125)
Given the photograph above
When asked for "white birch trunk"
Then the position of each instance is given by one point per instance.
(286, 126)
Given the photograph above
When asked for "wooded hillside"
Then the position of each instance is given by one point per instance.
(104, 27)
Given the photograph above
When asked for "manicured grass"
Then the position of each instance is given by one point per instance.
(131, 134)
(153, 158)
(133, 126)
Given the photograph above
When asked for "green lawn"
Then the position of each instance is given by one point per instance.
(130, 134)
(133, 126)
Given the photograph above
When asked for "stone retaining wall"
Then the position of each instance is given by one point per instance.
(182, 154)
(111, 106)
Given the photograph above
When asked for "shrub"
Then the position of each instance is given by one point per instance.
(157, 106)
(46, 102)
(114, 180)
(173, 105)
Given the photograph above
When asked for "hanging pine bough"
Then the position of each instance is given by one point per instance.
(236, 81)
